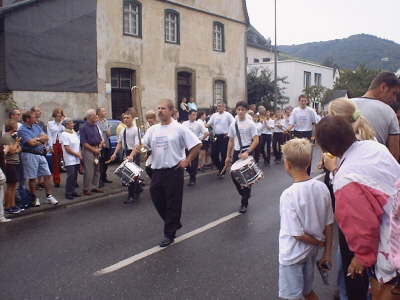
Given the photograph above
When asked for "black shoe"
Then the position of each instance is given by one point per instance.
(76, 195)
(69, 197)
(243, 209)
(130, 200)
(192, 182)
(57, 185)
(166, 242)
(101, 184)
(107, 181)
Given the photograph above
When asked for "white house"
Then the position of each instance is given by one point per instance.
(299, 75)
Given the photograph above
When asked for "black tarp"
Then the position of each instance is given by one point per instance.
(51, 45)
(3, 84)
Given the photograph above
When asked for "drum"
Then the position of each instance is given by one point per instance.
(129, 172)
(246, 172)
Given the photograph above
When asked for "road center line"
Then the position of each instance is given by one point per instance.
(130, 260)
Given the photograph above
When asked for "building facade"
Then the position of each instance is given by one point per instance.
(123, 53)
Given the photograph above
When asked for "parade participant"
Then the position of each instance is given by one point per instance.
(266, 134)
(203, 157)
(201, 132)
(54, 129)
(374, 106)
(278, 137)
(306, 225)
(243, 140)
(302, 120)
(72, 157)
(33, 159)
(364, 182)
(128, 140)
(91, 145)
(151, 119)
(167, 142)
(105, 129)
(220, 123)
(257, 151)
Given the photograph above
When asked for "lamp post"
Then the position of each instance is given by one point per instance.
(275, 68)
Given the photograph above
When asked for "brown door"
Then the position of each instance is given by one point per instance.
(122, 80)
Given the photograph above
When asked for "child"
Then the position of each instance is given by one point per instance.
(241, 149)
(306, 224)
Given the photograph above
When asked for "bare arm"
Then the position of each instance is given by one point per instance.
(70, 151)
(229, 153)
(193, 153)
(393, 143)
(309, 239)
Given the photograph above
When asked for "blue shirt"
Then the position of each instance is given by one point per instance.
(27, 133)
(192, 106)
(90, 134)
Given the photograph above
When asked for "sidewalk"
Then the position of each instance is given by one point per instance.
(114, 188)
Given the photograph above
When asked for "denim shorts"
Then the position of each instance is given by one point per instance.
(296, 281)
(34, 165)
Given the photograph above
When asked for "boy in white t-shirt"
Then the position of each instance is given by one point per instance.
(306, 224)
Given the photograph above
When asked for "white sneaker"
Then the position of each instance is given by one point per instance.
(37, 202)
(50, 199)
(4, 220)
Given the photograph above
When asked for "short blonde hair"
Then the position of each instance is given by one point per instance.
(151, 114)
(298, 153)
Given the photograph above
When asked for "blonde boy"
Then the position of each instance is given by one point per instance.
(306, 224)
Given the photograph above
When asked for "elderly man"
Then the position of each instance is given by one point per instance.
(38, 115)
(105, 154)
(91, 142)
(34, 162)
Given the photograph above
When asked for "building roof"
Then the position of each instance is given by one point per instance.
(257, 40)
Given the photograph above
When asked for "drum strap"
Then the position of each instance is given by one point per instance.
(125, 144)
(238, 136)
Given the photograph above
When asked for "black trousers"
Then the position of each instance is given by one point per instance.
(265, 139)
(244, 192)
(277, 142)
(305, 135)
(166, 191)
(135, 188)
(105, 155)
(193, 166)
(219, 150)
(72, 175)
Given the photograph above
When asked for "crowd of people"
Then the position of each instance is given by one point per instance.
(359, 139)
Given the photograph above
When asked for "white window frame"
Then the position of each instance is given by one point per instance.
(131, 18)
(171, 27)
(218, 37)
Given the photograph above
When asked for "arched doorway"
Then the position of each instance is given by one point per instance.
(122, 80)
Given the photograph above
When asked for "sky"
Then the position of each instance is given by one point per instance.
(302, 21)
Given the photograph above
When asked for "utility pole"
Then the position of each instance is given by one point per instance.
(275, 68)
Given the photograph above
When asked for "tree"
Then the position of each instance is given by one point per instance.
(315, 95)
(260, 88)
(355, 82)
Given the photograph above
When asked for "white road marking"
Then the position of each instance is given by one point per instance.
(130, 260)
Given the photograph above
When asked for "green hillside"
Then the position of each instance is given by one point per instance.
(362, 49)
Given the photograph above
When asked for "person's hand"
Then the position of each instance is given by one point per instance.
(78, 155)
(96, 152)
(18, 140)
(113, 157)
(330, 162)
(228, 162)
(355, 268)
(138, 149)
(325, 261)
(244, 155)
(184, 164)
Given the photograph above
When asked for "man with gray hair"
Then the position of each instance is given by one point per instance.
(91, 146)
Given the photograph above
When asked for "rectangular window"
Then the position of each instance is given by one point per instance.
(172, 27)
(266, 59)
(219, 91)
(132, 18)
(218, 37)
(317, 79)
(307, 79)
(256, 60)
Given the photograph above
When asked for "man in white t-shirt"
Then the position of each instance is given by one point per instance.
(302, 120)
(240, 146)
(306, 224)
(167, 142)
(374, 106)
(220, 123)
(128, 140)
(201, 132)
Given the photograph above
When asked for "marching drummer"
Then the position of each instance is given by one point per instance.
(167, 142)
(128, 140)
(243, 140)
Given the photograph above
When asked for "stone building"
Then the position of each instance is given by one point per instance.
(80, 54)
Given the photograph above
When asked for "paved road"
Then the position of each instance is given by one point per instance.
(55, 255)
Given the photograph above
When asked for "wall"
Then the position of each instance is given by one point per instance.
(74, 104)
(156, 62)
(253, 53)
(294, 71)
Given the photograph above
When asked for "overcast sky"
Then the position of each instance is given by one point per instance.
(301, 21)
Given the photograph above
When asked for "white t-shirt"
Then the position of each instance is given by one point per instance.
(303, 119)
(259, 127)
(221, 122)
(247, 130)
(305, 207)
(279, 122)
(268, 123)
(132, 138)
(72, 140)
(168, 143)
(197, 128)
(204, 123)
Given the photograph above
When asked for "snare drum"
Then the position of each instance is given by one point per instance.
(129, 172)
(246, 172)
